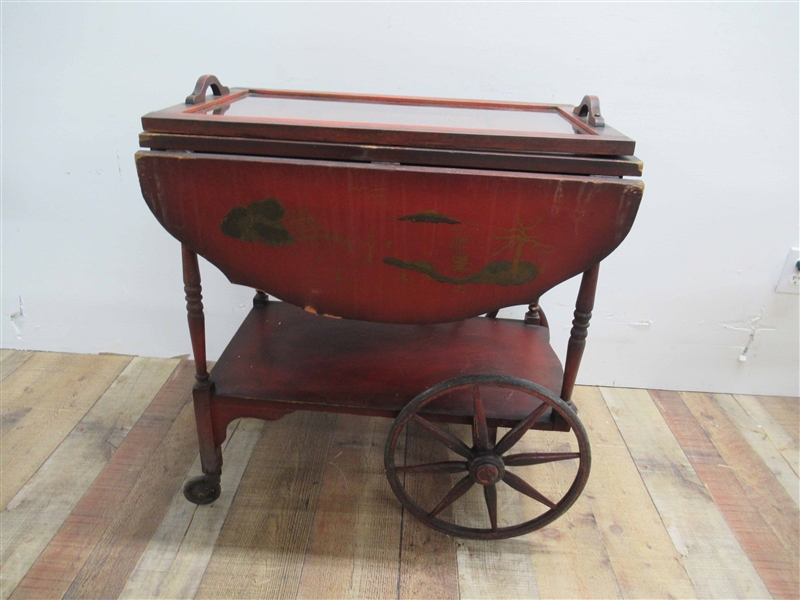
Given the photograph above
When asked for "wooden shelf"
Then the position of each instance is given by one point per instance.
(284, 359)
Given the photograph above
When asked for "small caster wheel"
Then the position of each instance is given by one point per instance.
(203, 489)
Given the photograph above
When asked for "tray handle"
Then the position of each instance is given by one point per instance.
(198, 96)
(590, 107)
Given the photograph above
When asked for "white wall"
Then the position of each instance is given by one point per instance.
(709, 91)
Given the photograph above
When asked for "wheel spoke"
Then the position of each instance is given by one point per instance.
(461, 488)
(480, 432)
(523, 487)
(448, 439)
(516, 432)
(490, 494)
(537, 458)
(448, 466)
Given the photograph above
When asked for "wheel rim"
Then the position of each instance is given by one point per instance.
(486, 462)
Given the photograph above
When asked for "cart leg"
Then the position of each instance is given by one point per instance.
(536, 316)
(194, 309)
(260, 299)
(204, 489)
(210, 450)
(533, 316)
(580, 329)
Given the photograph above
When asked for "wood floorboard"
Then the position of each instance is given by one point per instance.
(63, 558)
(263, 544)
(771, 560)
(34, 515)
(574, 542)
(785, 443)
(10, 360)
(123, 542)
(786, 412)
(352, 552)
(428, 560)
(762, 444)
(642, 556)
(500, 568)
(54, 391)
(691, 495)
(710, 552)
(177, 555)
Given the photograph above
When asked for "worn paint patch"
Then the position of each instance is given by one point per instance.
(429, 216)
(498, 272)
(313, 311)
(258, 222)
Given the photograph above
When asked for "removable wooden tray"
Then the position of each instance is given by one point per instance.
(552, 138)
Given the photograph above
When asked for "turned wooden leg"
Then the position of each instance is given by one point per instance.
(533, 316)
(580, 327)
(260, 299)
(210, 451)
(194, 308)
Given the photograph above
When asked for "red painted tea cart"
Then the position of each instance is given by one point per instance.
(396, 223)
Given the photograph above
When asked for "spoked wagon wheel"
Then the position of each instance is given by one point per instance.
(487, 462)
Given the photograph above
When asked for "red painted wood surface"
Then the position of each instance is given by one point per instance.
(226, 116)
(383, 242)
(284, 355)
(427, 157)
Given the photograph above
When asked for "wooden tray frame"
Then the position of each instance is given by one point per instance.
(193, 121)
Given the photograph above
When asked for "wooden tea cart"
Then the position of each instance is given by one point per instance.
(395, 223)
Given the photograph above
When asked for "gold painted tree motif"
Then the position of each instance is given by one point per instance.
(518, 237)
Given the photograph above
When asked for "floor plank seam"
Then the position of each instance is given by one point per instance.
(770, 429)
(74, 427)
(638, 471)
(402, 525)
(111, 397)
(4, 374)
(115, 471)
(646, 488)
(316, 506)
(704, 456)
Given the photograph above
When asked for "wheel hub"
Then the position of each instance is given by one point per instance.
(487, 469)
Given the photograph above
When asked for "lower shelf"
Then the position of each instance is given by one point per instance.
(284, 359)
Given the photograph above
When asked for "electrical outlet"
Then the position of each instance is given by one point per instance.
(789, 282)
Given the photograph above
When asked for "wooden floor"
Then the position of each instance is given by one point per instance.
(691, 495)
